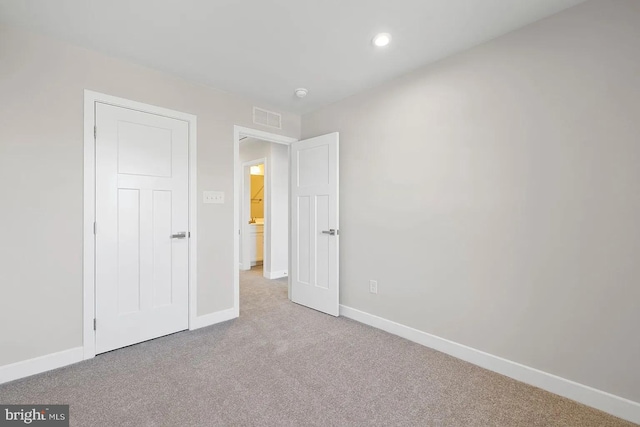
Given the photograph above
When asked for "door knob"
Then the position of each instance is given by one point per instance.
(330, 232)
(180, 235)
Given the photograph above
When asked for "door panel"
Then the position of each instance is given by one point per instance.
(315, 252)
(141, 201)
(128, 278)
(144, 150)
(313, 166)
(303, 253)
(162, 249)
(323, 242)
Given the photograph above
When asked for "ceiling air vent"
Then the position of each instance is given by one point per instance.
(267, 118)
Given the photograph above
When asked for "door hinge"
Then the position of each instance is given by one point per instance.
(94, 324)
(95, 228)
(95, 132)
(189, 234)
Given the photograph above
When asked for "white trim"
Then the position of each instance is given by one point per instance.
(239, 132)
(88, 263)
(213, 318)
(193, 220)
(289, 225)
(88, 255)
(275, 274)
(607, 402)
(37, 365)
(266, 229)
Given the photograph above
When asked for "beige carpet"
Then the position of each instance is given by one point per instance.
(281, 364)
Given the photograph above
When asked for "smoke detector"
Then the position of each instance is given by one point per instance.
(301, 92)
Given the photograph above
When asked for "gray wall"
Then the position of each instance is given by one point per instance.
(495, 196)
(41, 183)
(279, 207)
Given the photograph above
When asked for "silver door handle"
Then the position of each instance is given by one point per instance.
(330, 232)
(180, 235)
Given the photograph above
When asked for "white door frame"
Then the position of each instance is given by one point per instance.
(238, 133)
(88, 261)
(245, 212)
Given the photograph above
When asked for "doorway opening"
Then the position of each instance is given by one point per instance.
(264, 208)
(252, 148)
(311, 209)
(253, 245)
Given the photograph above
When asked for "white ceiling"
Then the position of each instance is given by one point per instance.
(264, 49)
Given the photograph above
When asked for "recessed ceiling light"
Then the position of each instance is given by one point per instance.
(382, 39)
(301, 92)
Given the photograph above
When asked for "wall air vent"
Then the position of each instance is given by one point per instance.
(267, 118)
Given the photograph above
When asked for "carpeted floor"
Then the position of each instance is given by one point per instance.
(281, 364)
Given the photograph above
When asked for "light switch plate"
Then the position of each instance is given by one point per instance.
(213, 197)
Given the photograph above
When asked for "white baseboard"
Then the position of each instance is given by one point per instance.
(213, 318)
(607, 402)
(40, 364)
(275, 274)
(48, 362)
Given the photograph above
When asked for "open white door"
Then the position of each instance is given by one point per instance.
(142, 220)
(314, 223)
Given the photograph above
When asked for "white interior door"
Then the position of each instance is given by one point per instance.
(314, 223)
(142, 208)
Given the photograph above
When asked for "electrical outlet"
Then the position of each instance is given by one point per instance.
(213, 197)
(373, 286)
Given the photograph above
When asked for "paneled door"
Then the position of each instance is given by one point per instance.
(142, 211)
(314, 223)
